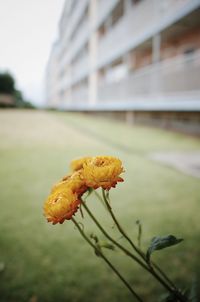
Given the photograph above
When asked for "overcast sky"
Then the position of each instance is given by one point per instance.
(27, 30)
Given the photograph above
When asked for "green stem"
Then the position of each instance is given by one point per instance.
(110, 238)
(138, 250)
(119, 226)
(121, 230)
(101, 199)
(135, 258)
(100, 253)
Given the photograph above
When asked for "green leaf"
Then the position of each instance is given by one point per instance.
(94, 237)
(107, 245)
(159, 243)
(97, 251)
(139, 232)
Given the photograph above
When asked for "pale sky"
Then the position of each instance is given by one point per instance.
(27, 30)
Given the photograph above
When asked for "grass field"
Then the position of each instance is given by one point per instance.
(41, 262)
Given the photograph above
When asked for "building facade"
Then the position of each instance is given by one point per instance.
(126, 55)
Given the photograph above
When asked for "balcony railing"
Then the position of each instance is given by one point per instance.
(80, 69)
(140, 24)
(79, 95)
(171, 78)
(104, 9)
(77, 43)
(72, 22)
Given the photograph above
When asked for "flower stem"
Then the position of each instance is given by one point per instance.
(100, 253)
(138, 250)
(110, 238)
(135, 258)
(101, 199)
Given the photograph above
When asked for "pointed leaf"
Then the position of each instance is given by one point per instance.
(159, 243)
(97, 252)
(107, 245)
(139, 232)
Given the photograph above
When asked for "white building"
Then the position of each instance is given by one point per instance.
(126, 55)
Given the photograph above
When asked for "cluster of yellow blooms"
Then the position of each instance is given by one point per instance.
(87, 172)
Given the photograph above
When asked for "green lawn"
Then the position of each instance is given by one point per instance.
(41, 262)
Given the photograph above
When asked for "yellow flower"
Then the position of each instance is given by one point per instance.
(74, 182)
(61, 205)
(77, 164)
(102, 171)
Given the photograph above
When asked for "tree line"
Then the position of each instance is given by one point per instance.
(10, 96)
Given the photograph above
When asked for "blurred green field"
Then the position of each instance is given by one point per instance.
(41, 262)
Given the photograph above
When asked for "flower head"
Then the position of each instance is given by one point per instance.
(77, 164)
(61, 205)
(89, 172)
(74, 182)
(102, 171)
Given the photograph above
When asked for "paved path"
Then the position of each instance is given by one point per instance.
(187, 162)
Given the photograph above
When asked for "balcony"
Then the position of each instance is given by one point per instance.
(76, 44)
(70, 23)
(80, 39)
(105, 7)
(140, 24)
(172, 80)
(79, 95)
(80, 69)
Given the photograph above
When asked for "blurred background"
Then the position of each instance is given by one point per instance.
(98, 77)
